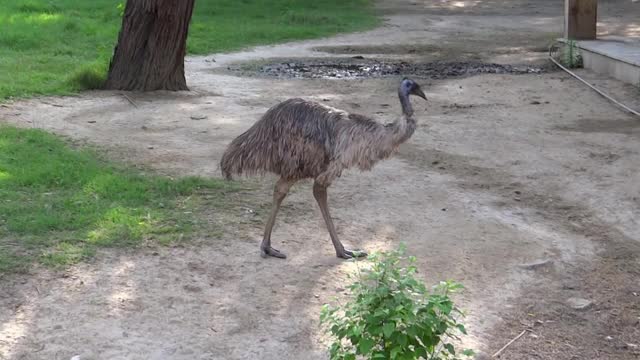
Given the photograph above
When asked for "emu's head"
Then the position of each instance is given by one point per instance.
(410, 87)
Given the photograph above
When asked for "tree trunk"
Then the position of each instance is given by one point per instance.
(151, 46)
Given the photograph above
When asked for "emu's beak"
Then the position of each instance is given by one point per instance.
(418, 92)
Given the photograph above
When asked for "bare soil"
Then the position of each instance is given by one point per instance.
(525, 188)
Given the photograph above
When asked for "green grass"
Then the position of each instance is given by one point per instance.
(63, 46)
(59, 204)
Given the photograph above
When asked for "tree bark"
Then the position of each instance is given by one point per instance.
(151, 46)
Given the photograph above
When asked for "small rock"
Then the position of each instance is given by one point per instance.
(444, 209)
(609, 338)
(535, 102)
(517, 192)
(534, 336)
(536, 264)
(579, 303)
(632, 346)
(150, 147)
(198, 117)
(192, 288)
(569, 286)
(77, 357)
(143, 127)
(91, 121)
(357, 57)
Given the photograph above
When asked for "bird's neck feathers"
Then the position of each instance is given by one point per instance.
(405, 125)
(407, 109)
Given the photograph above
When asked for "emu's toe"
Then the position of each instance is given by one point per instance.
(269, 251)
(350, 254)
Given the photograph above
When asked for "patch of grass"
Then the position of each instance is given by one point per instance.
(58, 204)
(89, 76)
(62, 46)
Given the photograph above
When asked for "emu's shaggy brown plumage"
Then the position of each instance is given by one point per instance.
(299, 139)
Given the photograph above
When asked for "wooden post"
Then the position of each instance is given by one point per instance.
(580, 19)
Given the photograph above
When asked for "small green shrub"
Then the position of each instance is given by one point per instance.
(571, 57)
(392, 315)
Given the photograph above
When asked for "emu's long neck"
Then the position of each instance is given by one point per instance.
(405, 125)
(407, 109)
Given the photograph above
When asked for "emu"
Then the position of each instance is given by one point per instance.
(299, 139)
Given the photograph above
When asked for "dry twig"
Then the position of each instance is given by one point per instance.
(129, 100)
(510, 342)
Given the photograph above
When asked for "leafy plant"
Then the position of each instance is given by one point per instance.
(571, 55)
(392, 315)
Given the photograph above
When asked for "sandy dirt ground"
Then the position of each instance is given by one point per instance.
(525, 188)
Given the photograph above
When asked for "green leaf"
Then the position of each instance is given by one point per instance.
(376, 330)
(388, 328)
(402, 339)
(356, 331)
(365, 345)
(450, 349)
(468, 352)
(395, 351)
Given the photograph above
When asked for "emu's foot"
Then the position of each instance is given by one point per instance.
(351, 254)
(269, 251)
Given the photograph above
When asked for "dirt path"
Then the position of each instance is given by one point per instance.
(504, 171)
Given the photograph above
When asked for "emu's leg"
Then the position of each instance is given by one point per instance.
(279, 192)
(320, 193)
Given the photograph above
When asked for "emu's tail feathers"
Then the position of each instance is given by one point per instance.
(242, 157)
